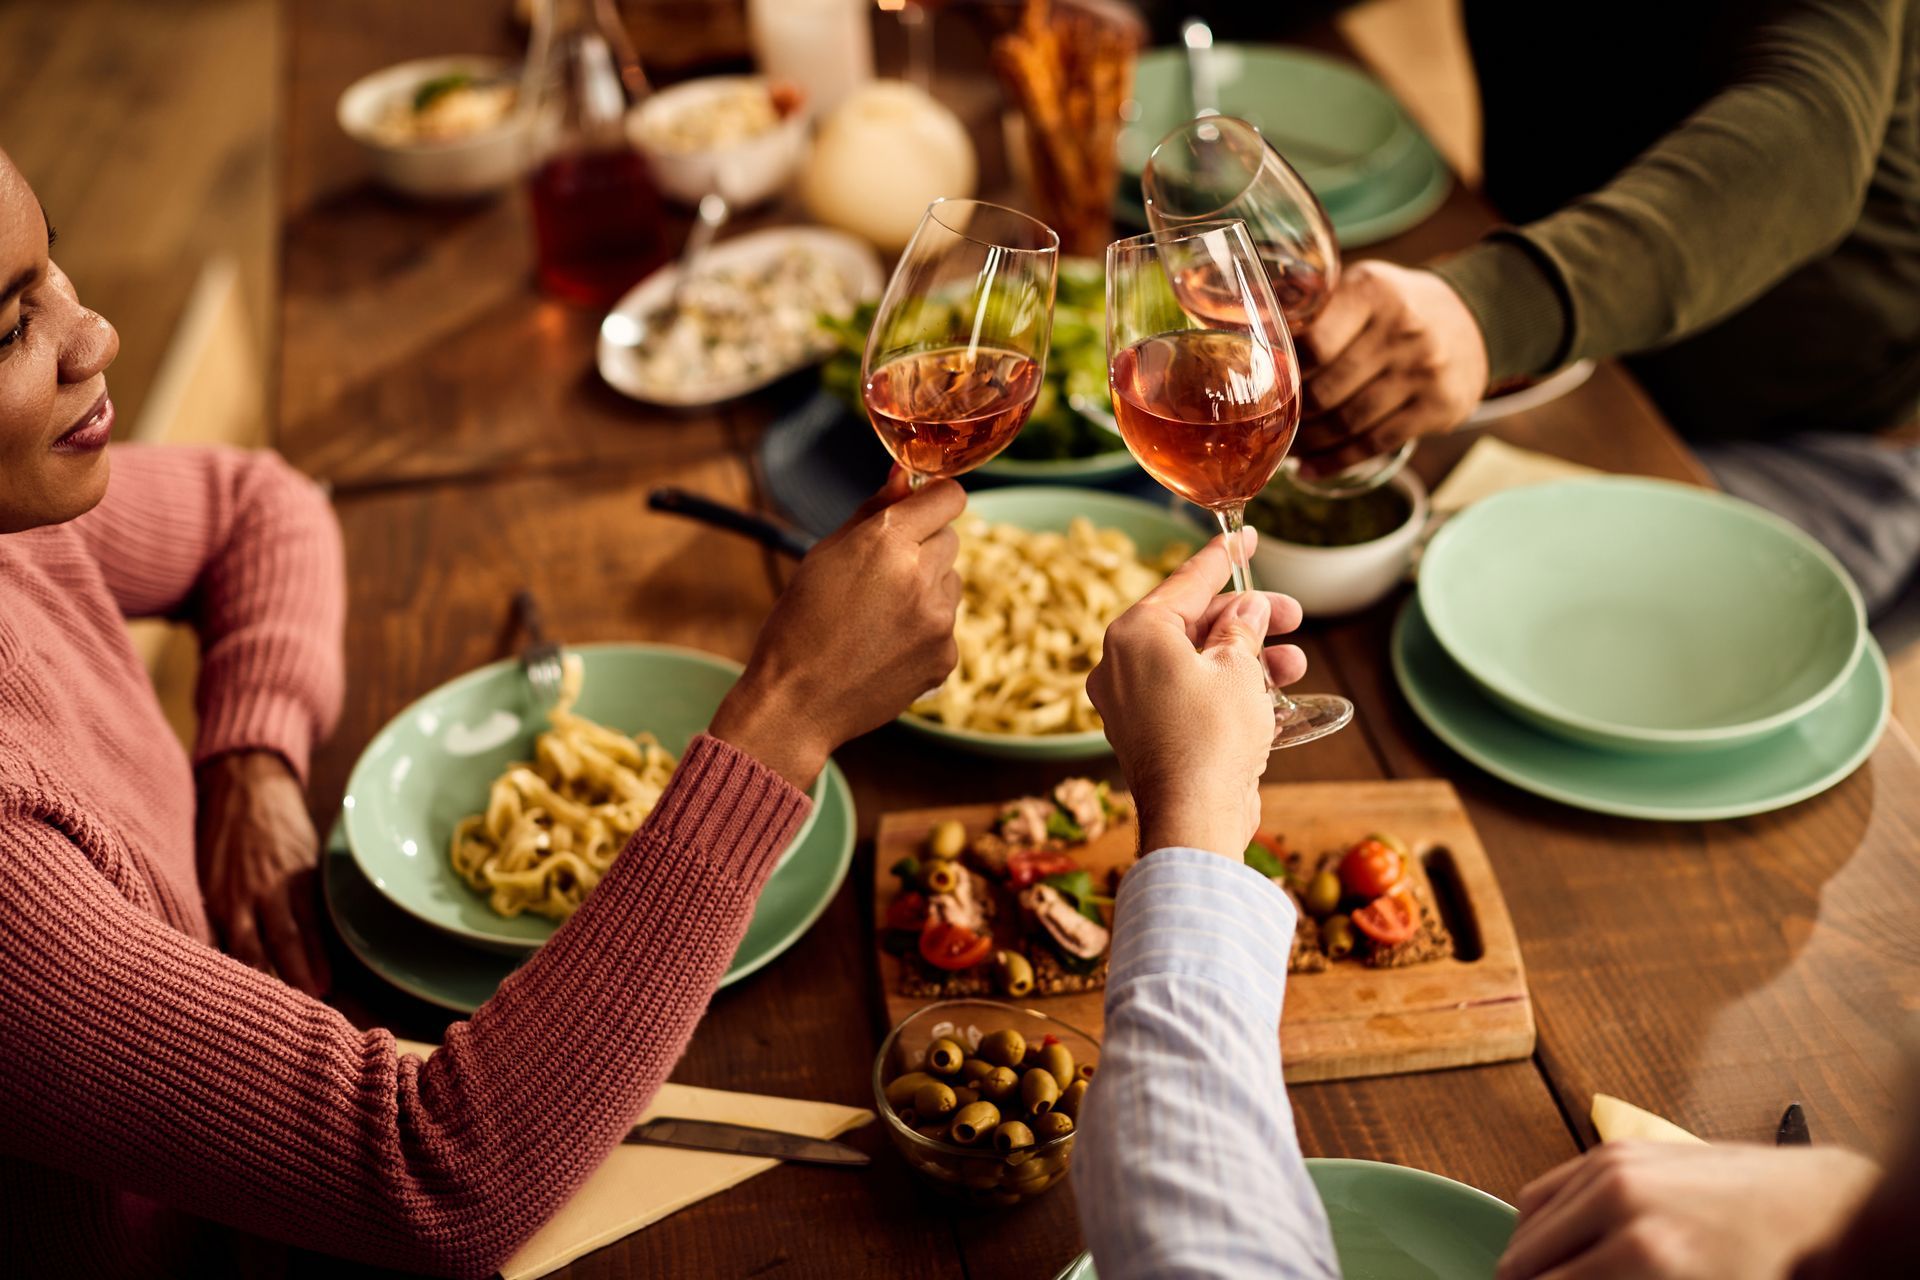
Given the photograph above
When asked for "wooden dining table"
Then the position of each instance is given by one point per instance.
(1710, 971)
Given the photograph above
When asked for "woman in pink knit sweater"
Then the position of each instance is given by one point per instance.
(151, 1083)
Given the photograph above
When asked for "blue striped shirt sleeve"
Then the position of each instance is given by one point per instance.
(1187, 1163)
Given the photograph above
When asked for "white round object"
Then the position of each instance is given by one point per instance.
(1337, 580)
(888, 152)
(478, 165)
(744, 172)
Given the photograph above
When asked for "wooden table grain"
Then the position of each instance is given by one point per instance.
(1710, 971)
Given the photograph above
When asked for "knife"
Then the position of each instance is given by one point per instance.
(1793, 1128)
(742, 1140)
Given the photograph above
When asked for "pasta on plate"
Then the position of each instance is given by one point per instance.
(553, 826)
(1034, 611)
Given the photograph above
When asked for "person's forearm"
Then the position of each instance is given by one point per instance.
(142, 1060)
(1765, 176)
(1188, 1165)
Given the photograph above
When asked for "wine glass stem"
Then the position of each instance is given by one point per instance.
(1232, 522)
(916, 481)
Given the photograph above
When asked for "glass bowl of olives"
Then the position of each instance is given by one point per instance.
(982, 1097)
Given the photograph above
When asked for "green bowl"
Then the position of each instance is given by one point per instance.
(1152, 529)
(433, 763)
(1393, 1223)
(1641, 615)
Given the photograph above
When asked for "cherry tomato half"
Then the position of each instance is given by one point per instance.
(1371, 870)
(953, 946)
(1389, 921)
(908, 911)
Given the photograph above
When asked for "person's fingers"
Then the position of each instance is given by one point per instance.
(1623, 1253)
(1242, 626)
(1188, 589)
(1535, 1195)
(1339, 380)
(1339, 323)
(938, 553)
(1374, 403)
(284, 944)
(1283, 615)
(1285, 663)
(1596, 1200)
(303, 890)
(926, 512)
(885, 496)
(1415, 418)
(951, 588)
(242, 935)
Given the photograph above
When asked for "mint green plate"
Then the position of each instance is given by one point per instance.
(1642, 615)
(1785, 768)
(1152, 529)
(1392, 1223)
(433, 763)
(427, 964)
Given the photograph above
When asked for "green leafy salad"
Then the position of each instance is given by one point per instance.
(1076, 369)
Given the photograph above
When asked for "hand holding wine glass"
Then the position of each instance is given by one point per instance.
(1208, 397)
(957, 350)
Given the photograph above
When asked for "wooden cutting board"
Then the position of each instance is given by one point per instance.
(1350, 1020)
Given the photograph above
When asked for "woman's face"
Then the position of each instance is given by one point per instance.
(54, 413)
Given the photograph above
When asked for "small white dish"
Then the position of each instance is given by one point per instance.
(1338, 580)
(620, 363)
(474, 166)
(745, 173)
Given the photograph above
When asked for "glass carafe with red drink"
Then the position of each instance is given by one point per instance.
(958, 348)
(597, 216)
(1206, 389)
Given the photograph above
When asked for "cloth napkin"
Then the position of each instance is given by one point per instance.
(1614, 1120)
(1492, 466)
(639, 1185)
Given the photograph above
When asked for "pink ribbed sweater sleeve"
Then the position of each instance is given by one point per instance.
(246, 549)
(134, 1056)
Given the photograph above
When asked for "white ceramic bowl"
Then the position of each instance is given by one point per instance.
(479, 165)
(1337, 580)
(745, 173)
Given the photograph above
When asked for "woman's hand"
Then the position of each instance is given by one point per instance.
(1685, 1213)
(1179, 686)
(864, 628)
(1396, 354)
(257, 854)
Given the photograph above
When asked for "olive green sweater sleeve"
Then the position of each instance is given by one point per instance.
(1766, 175)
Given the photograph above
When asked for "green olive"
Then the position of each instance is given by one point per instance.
(1069, 1104)
(1057, 1061)
(1013, 972)
(974, 1122)
(1000, 1085)
(1052, 1124)
(1337, 933)
(1323, 894)
(934, 1100)
(908, 1116)
(947, 840)
(974, 1070)
(900, 1092)
(940, 877)
(944, 1057)
(1085, 1071)
(1004, 1048)
(1038, 1090)
(964, 1096)
(1012, 1136)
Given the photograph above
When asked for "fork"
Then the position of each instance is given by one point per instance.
(541, 659)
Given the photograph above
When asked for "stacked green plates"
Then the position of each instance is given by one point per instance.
(1390, 1223)
(1369, 164)
(396, 899)
(1643, 648)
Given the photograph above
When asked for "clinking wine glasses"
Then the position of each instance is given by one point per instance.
(1206, 389)
(955, 357)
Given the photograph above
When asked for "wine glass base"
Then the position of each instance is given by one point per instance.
(1312, 716)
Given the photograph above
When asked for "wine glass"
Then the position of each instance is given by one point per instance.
(1219, 167)
(1208, 397)
(958, 347)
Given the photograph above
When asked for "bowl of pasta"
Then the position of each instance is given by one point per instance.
(1043, 571)
(491, 819)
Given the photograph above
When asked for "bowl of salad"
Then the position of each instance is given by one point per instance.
(1071, 436)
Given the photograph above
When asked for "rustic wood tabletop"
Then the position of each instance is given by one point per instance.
(1709, 971)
